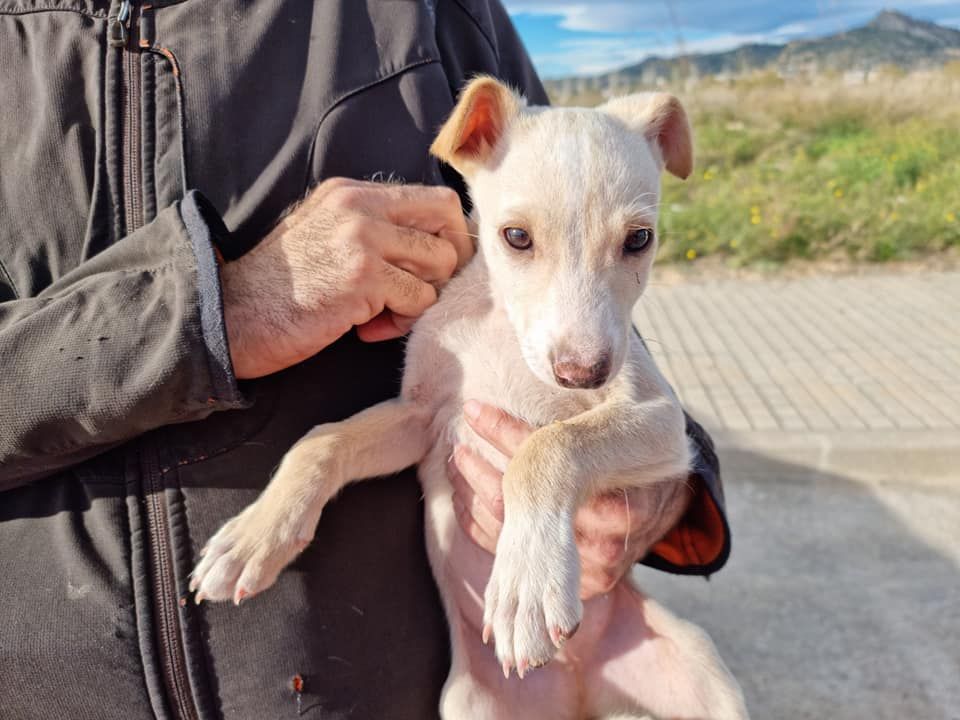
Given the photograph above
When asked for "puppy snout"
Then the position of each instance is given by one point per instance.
(572, 373)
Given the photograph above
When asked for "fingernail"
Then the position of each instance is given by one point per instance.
(471, 408)
(403, 323)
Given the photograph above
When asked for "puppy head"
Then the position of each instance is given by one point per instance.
(566, 204)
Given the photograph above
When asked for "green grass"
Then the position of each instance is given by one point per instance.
(818, 171)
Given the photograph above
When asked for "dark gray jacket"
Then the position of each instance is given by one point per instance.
(125, 439)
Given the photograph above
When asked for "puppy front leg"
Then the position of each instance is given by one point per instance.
(248, 552)
(532, 600)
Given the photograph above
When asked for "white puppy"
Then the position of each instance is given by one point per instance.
(539, 323)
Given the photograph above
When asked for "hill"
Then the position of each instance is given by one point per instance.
(891, 38)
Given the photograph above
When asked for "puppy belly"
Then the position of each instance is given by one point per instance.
(637, 658)
(630, 657)
(608, 666)
(476, 688)
(628, 664)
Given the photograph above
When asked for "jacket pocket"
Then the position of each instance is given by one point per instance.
(53, 190)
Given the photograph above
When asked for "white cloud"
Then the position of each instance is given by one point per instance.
(596, 17)
(733, 16)
(609, 35)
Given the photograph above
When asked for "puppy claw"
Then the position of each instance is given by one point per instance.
(530, 610)
(247, 554)
(506, 669)
(485, 635)
(559, 636)
(198, 598)
(556, 635)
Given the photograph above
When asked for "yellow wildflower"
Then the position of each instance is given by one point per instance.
(950, 217)
(735, 243)
(691, 254)
(838, 193)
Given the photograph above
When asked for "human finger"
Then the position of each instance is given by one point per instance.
(404, 293)
(473, 530)
(481, 479)
(385, 326)
(430, 258)
(609, 513)
(432, 209)
(498, 427)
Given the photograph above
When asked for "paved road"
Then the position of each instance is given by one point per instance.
(841, 600)
(836, 406)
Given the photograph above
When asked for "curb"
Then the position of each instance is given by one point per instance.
(919, 457)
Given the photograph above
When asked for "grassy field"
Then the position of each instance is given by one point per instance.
(819, 169)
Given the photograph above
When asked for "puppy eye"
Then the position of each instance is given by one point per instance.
(517, 238)
(638, 240)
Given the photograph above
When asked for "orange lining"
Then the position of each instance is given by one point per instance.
(699, 537)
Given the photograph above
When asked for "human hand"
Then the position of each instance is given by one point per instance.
(352, 254)
(613, 530)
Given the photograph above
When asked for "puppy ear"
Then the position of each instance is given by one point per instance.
(469, 136)
(663, 121)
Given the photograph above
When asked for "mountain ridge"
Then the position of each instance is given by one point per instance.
(890, 38)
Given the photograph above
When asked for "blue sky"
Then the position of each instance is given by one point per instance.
(573, 38)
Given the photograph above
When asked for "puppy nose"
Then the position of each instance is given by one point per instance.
(573, 374)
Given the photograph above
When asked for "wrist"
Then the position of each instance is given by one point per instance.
(236, 320)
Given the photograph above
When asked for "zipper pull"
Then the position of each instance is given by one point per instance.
(118, 25)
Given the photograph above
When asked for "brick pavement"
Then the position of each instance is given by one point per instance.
(872, 357)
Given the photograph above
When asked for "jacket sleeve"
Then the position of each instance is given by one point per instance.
(700, 543)
(129, 340)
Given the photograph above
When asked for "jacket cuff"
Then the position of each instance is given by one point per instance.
(206, 231)
(700, 543)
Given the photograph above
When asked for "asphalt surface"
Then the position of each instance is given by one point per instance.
(841, 598)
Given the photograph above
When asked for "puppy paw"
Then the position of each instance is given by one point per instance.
(247, 554)
(532, 601)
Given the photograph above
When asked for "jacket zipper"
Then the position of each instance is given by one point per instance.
(164, 581)
(123, 34)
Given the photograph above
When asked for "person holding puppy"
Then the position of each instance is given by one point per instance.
(156, 365)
